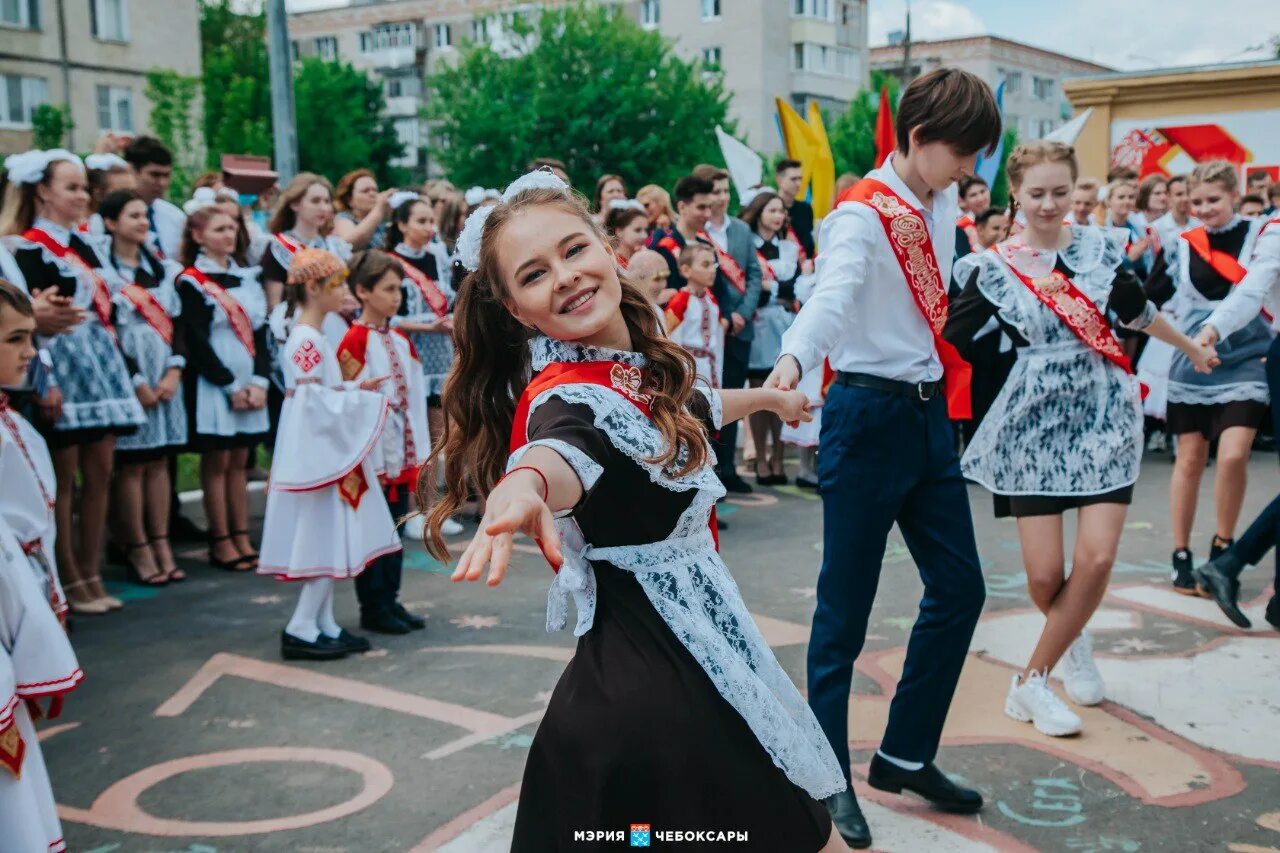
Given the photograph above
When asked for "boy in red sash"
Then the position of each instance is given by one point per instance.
(887, 453)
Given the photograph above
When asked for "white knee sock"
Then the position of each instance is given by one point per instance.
(303, 624)
(328, 625)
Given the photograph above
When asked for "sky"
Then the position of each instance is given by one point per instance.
(1125, 34)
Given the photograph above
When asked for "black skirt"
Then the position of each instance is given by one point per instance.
(1212, 420)
(636, 733)
(1024, 506)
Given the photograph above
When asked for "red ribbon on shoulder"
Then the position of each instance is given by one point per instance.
(1223, 264)
(101, 292)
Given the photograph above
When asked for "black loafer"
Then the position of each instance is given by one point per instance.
(735, 485)
(847, 818)
(384, 623)
(929, 782)
(1220, 578)
(324, 648)
(413, 620)
(352, 643)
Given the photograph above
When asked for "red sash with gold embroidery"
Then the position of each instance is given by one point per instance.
(1061, 296)
(909, 238)
(623, 379)
(731, 268)
(431, 292)
(235, 312)
(101, 292)
(150, 309)
(12, 747)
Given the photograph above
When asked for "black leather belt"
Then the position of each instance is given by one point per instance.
(920, 390)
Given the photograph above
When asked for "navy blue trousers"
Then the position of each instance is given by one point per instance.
(886, 458)
(378, 586)
(1263, 533)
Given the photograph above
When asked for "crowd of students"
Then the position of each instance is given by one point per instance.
(349, 330)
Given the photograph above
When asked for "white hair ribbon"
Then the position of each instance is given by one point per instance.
(29, 167)
(468, 246)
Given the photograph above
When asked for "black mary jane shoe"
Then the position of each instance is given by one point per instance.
(323, 648)
(413, 620)
(385, 622)
(846, 817)
(353, 643)
(928, 782)
(1220, 577)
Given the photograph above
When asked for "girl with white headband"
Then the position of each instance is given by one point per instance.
(567, 401)
(94, 401)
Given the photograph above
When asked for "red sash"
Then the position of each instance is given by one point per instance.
(623, 379)
(1077, 311)
(12, 747)
(235, 312)
(732, 269)
(791, 235)
(970, 229)
(150, 309)
(101, 292)
(909, 238)
(1223, 264)
(431, 292)
(289, 245)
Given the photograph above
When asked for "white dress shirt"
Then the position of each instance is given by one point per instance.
(719, 233)
(1168, 229)
(862, 313)
(169, 221)
(1261, 285)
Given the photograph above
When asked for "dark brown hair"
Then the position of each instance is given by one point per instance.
(98, 181)
(784, 165)
(600, 185)
(347, 187)
(452, 217)
(690, 186)
(16, 298)
(949, 105)
(198, 221)
(368, 267)
(690, 251)
(492, 368)
(710, 173)
(619, 218)
(967, 183)
(400, 218)
(1147, 187)
(751, 213)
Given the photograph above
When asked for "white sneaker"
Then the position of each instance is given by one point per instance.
(1032, 701)
(414, 526)
(1080, 674)
(451, 527)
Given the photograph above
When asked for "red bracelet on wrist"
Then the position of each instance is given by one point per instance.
(546, 487)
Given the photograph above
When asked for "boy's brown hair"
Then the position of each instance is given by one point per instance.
(949, 105)
(690, 253)
(12, 296)
(710, 173)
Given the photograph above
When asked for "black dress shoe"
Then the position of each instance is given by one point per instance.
(929, 782)
(736, 485)
(384, 623)
(1220, 578)
(805, 483)
(324, 648)
(183, 529)
(413, 620)
(352, 643)
(1273, 612)
(847, 818)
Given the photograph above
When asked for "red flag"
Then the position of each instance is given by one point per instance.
(884, 128)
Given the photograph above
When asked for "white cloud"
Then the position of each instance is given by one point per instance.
(930, 19)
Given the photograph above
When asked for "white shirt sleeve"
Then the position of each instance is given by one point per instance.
(1261, 282)
(848, 245)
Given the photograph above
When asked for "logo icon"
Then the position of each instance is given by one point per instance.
(639, 835)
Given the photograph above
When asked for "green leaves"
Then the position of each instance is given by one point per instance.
(50, 124)
(173, 96)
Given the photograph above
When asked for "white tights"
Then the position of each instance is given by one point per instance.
(314, 613)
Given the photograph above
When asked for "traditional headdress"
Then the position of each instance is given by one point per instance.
(29, 166)
(310, 264)
(468, 246)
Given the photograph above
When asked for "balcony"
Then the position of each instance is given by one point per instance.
(403, 105)
(392, 57)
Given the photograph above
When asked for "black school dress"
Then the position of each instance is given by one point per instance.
(636, 731)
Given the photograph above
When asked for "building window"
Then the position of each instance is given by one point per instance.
(812, 9)
(1012, 81)
(115, 109)
(710, 10)
(109, 19)
(327, 48)
(294, 51)
(19, 96)
(1042, 87)
(442, 36)
(711, 58)
(826, 60)
(389, 36)
(480, 30)
(403, 86)
(651, 13)
(1045, 126)
(20, 13)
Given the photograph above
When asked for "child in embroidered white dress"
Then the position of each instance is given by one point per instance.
(672, 684)
(373, 347)
(326, 519)
(693, 315)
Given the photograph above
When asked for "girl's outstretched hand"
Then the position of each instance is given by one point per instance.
(514, 506)
(792, 406)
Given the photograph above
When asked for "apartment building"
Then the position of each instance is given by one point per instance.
(91, 55)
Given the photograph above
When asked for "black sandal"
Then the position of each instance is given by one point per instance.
(158, 579)
(177, 575)
(236, 565)
(251, 556)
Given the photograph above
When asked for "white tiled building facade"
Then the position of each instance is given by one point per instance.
(794, 49)
(94, 60)
(1033, 100)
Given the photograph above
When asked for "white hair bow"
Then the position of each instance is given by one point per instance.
(627, 203)
(29, 167)
(206, 197)
(401, 198)
(105, 162)
(473, 196)
(468, 246)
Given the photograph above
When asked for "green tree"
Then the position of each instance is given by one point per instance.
(173, 96)
(591, 88)
(1000, 190)
(237, 93)
(853, 134)
(50, 124)
(341, 125)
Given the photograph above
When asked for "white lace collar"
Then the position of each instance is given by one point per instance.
(58, 232)
(319, 241)
(404, 250)
(1230, 226)
(207, 266)
(544, 351)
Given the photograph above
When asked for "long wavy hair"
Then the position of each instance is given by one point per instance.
(492, 367)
